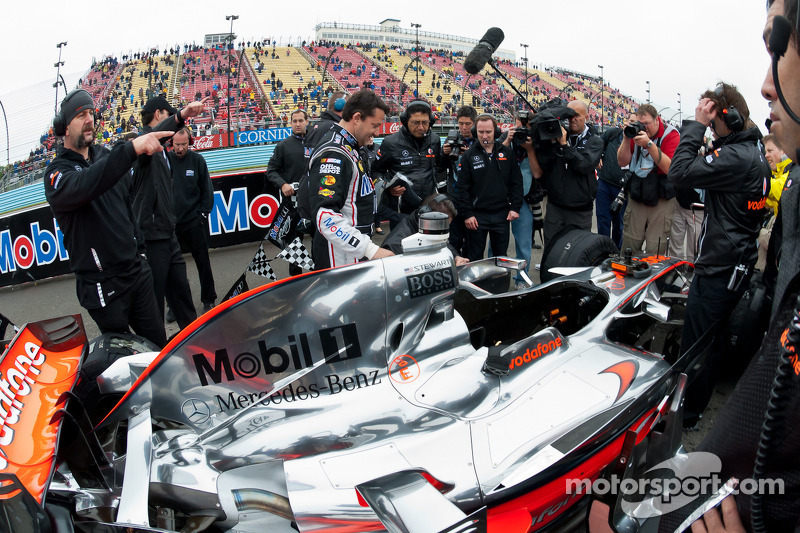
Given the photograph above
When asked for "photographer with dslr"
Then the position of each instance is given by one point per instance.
(611, 197)
(489, 190)
(651, 200)
(414, 151)
(457, 142)
(735, 177)
(565, 156)
(520, 141)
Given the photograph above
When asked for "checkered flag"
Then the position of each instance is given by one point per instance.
(260, 265)
(297, 254)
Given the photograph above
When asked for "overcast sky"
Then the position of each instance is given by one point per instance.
(682, 46)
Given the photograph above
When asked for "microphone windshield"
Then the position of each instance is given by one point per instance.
(483, 51)
(493, 38)
(779, 38)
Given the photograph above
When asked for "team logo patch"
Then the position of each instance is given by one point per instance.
(78, 168)
(366, 186)
(360, 166)
(328, 168)
(54, 178)
(190, 172)
(476, 158)
(331, 160)
(328, 180)
(325, 192)
(405, 153)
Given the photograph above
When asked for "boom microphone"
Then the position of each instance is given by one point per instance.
(483, 51)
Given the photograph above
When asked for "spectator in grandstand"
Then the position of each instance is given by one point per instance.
(734, 179)
(465, 119)
(342, 194)
(287, 164)
(87, 188)
(567, 167)
(154, 207)
(194, 198)
(651, 197)
(415, 153)
(489, 190)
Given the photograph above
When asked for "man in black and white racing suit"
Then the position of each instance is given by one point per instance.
(341, 194)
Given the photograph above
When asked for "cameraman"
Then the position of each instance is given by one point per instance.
(734, 175)
(651, 200)
(462, 139)
(567, 165)
(519, 139)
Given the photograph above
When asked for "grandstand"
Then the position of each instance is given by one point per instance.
(305, 76)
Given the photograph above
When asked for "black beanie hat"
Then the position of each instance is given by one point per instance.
(74, 103)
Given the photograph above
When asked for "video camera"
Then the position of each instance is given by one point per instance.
(456, 141)
(523, 132)
(551, 117)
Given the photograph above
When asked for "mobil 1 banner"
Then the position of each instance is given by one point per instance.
(32, 245)
(244, 207)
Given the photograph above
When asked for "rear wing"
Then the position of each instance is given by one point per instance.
(39, 366)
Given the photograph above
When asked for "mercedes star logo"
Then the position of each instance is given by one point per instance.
(196, 411)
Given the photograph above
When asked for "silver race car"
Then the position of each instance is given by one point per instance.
(400, 394)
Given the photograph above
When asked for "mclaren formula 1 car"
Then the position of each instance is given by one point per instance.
(399, 394)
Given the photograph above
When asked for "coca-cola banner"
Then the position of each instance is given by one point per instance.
(208, 142)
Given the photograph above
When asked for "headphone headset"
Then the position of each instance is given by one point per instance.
(474, 129)
(60, 121)
(404, 116)
(730, 115)
(439, 198)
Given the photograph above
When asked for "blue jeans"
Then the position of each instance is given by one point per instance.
(522, 229)
(608, 224)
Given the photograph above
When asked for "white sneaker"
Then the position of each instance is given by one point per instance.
(538, 266)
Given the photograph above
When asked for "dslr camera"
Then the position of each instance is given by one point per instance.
(632, 130)
(457, 143)
(523, 132)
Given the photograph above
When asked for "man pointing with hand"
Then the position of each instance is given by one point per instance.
(87, 188)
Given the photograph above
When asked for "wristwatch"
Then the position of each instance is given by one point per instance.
(649, 144)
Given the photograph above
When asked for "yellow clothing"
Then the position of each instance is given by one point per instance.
(777, 183)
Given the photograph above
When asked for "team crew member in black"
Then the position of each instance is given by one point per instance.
(415, 151)
(736, 178)
(340, 191)
(154, 208)
(568, 169)
(332, 115)
(489, 190)
(87, 188)
(466, 120)
(288, 164)
(193, 194)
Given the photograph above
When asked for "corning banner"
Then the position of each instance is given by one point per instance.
(262, 136)
(32, 245)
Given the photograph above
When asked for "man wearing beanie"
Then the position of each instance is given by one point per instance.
(87, 187)
(154, 210)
